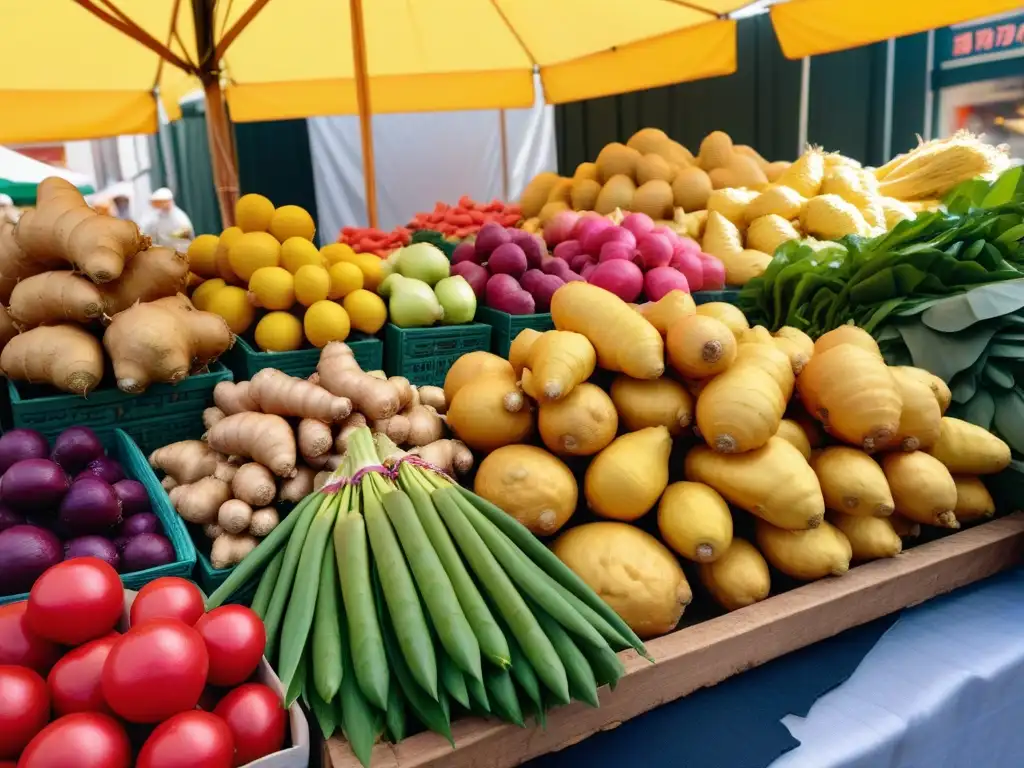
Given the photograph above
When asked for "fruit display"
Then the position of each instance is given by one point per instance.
(71, 500)
(75, 283)
(268, 280)
(396, 592)
(375, 241)
(422, 289)
(79, 692)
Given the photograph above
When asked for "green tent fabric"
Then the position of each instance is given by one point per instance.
(24, 192)
(21, 174)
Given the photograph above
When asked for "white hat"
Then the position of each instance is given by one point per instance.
(6, 200)
(162, 195)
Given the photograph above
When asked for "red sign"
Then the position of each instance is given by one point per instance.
(993, 37)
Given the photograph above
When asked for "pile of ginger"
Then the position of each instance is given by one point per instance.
(276, 438)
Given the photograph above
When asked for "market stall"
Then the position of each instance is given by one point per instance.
(20, 176)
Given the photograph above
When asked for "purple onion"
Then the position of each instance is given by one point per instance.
(9, 518)
(133, 496)
(26, 551)
(90, 506)
(144, 522)
(34, 485)
(75, 447)
(121, 542)
(20, 444)
(93, 546)
(147, 550)
(105, 468)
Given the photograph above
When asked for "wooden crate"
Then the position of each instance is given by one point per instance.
(707, 653)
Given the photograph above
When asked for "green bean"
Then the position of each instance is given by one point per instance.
(582, 684)
(504, 701)
(298, 620)
(400, 594)
(261, 599)
(606, 665)
(446, 615)
(477, 695)
(359, 720)
(611, 635)
(327, 669)
(535, 644)
(523, 673)
(453, 680)
(489, 636)
(263, 553)
(394, 717)
(529, 577)
(325, 713)
(297, 686)
(555, 568)
(367, 646)
(289, 566)
(428, 711)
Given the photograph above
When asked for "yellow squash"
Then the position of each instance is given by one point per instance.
(625, 480)
(771, 360)
(738, 578)
(967, 449)
(938, 387)
(773, 482)
(846, 334)
(558, 361)
(666, 310)
(870, 538)
(728, 314)
(791, 431)
(695, 521)
(740, 409)
(530, 484)
(806, 555)
(700, 346)
(920, 417)
(796, 345)
(922, 488)
(973, 501)
(651, 403)
(490, 412)
(519, 350)
(472, 366)
(580, 424)
(852, 482)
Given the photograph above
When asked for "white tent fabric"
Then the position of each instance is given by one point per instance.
(20, 168)
(423, 158)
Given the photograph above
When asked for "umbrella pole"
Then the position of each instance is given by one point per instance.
(365, 108)
(222, 154)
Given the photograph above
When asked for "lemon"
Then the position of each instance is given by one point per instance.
(345, 278)
(372, 269)
(272, 288)
(232, 303)
(252, 251)
(366, 310)
(291, 221)
(336, 252)
(326, 321)
(227, 239)
(312, 284)
(253, 213)
(297, 252)
(201, 295)
(202, 255)
(278, 332)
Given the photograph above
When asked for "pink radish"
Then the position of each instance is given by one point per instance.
(714, 273)
(616, 249)
(656, 250)
(621, 277)
(559, 227)
(567, 249)
(474, 274)
(638, 223)
(689, 263)
(661, 280)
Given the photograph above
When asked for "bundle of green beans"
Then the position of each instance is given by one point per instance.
(394, 592)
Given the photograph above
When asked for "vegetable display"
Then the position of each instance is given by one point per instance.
(422, 288)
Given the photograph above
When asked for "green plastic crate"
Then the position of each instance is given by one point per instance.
(124, 449)
(162, 414)
(424, 355)
(209, 578)
(244, 361)
(729, 296)
(506, 327)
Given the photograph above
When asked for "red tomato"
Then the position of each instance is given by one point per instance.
(19, 645)
(84, 740)
(189, 740)
(154, 671)
(24, 708)
(257, 720)
(75, 601)
(235, 638)
(168, 598)
(74, 681)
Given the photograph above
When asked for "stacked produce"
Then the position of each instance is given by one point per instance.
(466, 217)
(422, 290)
(175, 689)
(269, 262)
(66, 271)
(268, 438)
(71, 501)
(887, 463)
(375, 241)
(393, 592)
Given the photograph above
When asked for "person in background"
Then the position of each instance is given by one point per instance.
(122, 207)
(166, 224)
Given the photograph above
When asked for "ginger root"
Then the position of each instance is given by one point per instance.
(198, 502)
(228, 550)
(212, 415)
(298, 487)
(153, 274)
(15, 264)
(168, 482)
(321, 479)
(348, 426)
(434, 397)
(254, 484)
(56, 297)
(277, 392)
(63, 226)
(65, 356)
(7, 329)
(263, 522)
(233, 398)
(341, 375)
(397, 428)
(449, 455)
(186, 460)
(212, 530)
(263, 437)
(425, 425)
(314, 438)
(234, 516)
(163, 341)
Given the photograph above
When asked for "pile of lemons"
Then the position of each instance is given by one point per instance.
(268, 261)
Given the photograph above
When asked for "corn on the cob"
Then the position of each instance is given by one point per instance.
(767, 233)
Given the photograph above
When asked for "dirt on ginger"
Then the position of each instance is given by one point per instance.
(65, 356)
(315, 438)
(277, 392)
(263, 522)
(265, 438)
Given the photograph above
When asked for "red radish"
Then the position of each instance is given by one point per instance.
(616, 249)
(588, 269)
(579, 261)
(688, 262)
(491, 236)
(665, 232)
(589, 233)
(655, 250)
(567, 249)
(638, 223)
(464, 251)
(474, 274)
(532, 246)
(583, 219)
(621, 277)
(661, 280)
(714, 273)
(530, 279)
(616, 234)
(542, 288)
(507, 259)
(559, 227)
(506, 295)
(560, 269)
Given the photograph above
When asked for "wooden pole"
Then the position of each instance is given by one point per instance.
(222, 153)
(365, 108)
(504, 155)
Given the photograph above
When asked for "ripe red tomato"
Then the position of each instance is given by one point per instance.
(154, 671)
(189, 740)
(24, 708)
(19, 645)
(257, 720)
(235, 638)
(75, 601)
(168, 598)
(74, 681)
(84, 740)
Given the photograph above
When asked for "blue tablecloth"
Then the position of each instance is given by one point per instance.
(937, 686)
